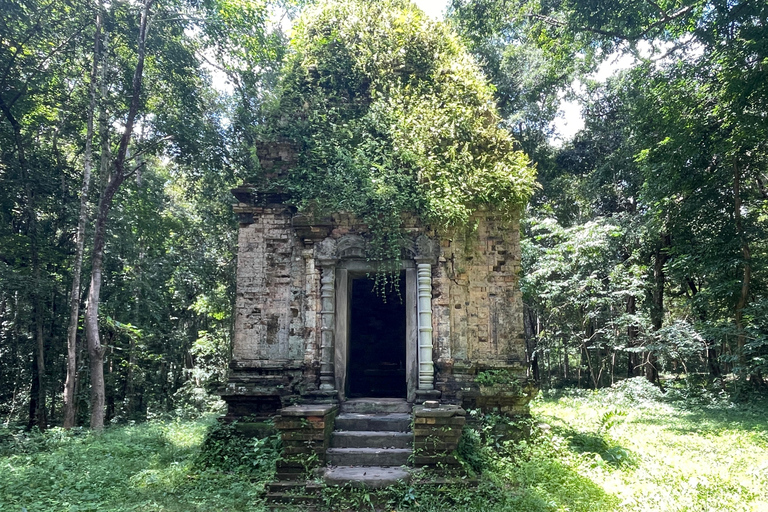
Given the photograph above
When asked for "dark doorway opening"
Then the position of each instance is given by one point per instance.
(377, 340)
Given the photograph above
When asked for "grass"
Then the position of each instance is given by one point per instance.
(145, 467)
(625, 448)
(687, 450)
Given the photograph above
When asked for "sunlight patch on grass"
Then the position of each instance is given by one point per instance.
(627, 448)
(687, 458)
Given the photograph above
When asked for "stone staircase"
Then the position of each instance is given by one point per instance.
(371, 444)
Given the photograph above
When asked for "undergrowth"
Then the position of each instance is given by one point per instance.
(223, 449)
(630, 447)
(690, 448)
(148, 467)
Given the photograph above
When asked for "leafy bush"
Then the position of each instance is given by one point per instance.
(192, 402)
(223, 449)
(471, 451)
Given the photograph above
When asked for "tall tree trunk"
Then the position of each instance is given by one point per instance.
(746, 279)
(632, 363)
(74, 297)
(531, 339)
(41, 417)
(657, 306)
(37, 413)
(34, 394)
(95, 348)
(590, 334)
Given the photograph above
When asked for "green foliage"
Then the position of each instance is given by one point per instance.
(168, 271)
(683, 454)
(491, 377)
(146, 466)
(600, 442)
(391, 115)
(580, 279)
(673, 152)
(224, 449)
(503, 378)
(704, 454)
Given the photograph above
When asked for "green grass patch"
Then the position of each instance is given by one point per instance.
(146, 467)
(685, 450)
(629, 447)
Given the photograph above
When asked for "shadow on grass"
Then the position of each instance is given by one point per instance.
(693, 419)
(537, 484)
(696, 407)
(545, 483)
(601, 445)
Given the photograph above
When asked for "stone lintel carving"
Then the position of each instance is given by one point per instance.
(351, 246)
(326, 252)
(426, 250)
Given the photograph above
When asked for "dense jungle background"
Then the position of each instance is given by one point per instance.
(124, 124)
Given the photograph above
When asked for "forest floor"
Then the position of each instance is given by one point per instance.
(625, 448)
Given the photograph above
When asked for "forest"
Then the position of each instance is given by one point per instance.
(125, 124)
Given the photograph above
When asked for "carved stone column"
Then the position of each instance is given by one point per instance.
(326, 258)
(426, 366)
(327, 314)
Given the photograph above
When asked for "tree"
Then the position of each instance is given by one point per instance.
(692, 146)
(37, 55)
(68, 397)
(51, 105)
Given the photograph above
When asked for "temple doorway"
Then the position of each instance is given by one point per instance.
(377, 339)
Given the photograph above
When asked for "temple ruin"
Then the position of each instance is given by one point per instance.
(315, 343)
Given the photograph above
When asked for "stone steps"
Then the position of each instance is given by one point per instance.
(369, 476)
(371, 443)
(289, 495)
(368, 456)
(371, 439)
(392, 422)
(376, 406)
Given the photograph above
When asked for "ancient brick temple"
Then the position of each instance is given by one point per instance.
(311, 333)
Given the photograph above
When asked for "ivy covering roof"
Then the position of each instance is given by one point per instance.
(391, 114)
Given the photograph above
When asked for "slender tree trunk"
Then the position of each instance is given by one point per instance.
(713, 361)
(657, 306)
(37, 413)
(95, 348)
(41, 416)
(74, 297)
(531, 340)
(747, 271)
(632, 363)
(589, 332)
(34, 394)
(746, 279)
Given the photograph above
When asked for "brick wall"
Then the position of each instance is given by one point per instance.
(477, 303)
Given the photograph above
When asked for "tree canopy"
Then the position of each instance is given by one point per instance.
(672, 159)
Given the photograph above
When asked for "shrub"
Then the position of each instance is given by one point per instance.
(223, 449)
